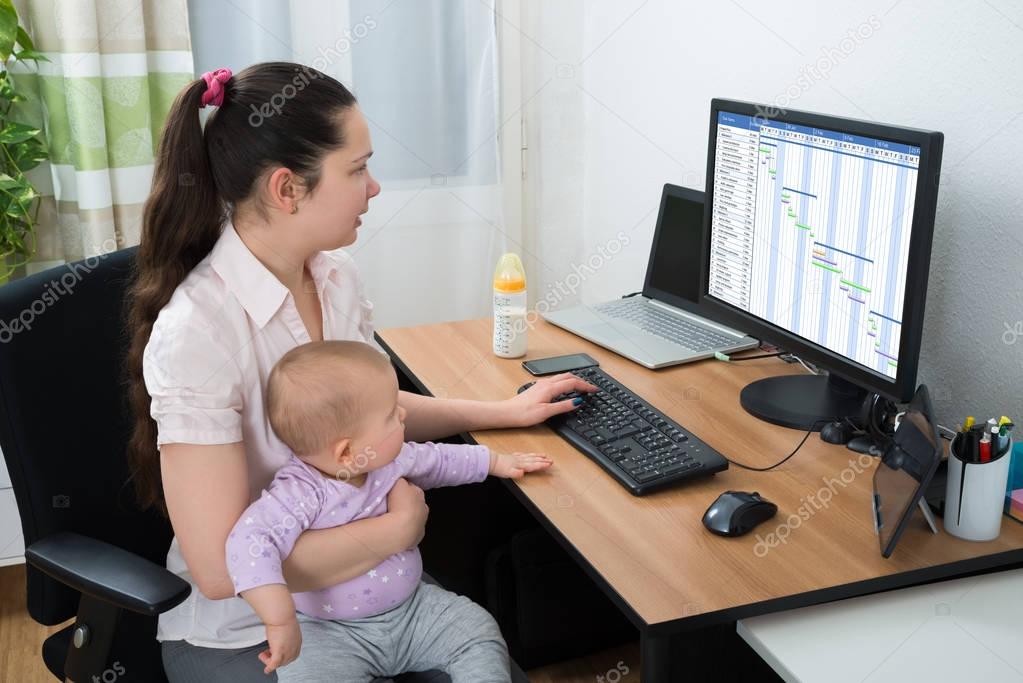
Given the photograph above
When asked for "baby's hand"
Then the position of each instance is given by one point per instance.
(284, 641)
(514, 465)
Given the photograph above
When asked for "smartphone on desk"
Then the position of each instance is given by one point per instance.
(539, 367)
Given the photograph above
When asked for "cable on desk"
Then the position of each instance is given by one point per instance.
(812, 370)
(729, 359)
(786, 458)
(784, 355)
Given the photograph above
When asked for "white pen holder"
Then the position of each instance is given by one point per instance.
(975, 494)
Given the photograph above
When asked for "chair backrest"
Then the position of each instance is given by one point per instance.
(64, 419)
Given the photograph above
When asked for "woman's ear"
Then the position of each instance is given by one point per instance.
(284, 190)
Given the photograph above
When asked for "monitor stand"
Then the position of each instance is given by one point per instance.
(802, 401)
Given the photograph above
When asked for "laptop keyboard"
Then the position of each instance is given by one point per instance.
(666, 326)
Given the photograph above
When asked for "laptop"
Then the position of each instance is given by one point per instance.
(663, 325)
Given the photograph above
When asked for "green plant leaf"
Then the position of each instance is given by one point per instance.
(7, 92)
(29, 154)
(17, 209)
(26, 55)
(17, 132)
(18, 198)
(8, 28)
(27, 195)
(18, 240)
(23, 150)
(23, 40)
(14, 230)
(7, 182)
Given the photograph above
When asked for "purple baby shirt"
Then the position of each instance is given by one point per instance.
(300, 497)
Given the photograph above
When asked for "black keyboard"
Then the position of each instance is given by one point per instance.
(637, 444)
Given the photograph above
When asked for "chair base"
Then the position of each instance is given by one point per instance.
(55, 649)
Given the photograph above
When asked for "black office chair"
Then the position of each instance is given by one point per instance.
(64, 426)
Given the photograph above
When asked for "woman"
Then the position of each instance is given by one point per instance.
(239, 262)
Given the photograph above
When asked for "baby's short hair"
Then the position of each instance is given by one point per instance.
(313, 391)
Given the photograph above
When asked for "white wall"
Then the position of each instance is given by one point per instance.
(628, 110)
(12, 541)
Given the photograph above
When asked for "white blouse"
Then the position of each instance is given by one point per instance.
(206, 366)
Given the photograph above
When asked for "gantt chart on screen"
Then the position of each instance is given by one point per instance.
(810, 231)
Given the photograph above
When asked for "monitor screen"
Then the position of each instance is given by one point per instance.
(810, 232)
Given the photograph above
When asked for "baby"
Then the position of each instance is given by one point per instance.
(335, 405)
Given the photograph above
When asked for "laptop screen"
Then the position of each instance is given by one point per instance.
(673, 273)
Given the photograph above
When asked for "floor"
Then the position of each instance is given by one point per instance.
(21, 639)
(611, 666)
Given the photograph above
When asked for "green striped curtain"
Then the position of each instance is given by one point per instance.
(115, 67)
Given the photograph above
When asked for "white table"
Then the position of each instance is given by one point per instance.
(960, 630)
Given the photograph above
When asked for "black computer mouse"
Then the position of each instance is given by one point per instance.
(735, 513)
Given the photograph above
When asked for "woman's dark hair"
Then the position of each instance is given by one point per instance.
(273, 114)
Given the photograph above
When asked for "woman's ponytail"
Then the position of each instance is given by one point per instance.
(301, 112)
(181, 223)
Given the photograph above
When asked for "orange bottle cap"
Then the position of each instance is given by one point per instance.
(509, 275)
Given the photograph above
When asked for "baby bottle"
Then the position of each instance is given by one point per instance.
(509, 307)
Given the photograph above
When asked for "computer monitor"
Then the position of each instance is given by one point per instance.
(818, 240)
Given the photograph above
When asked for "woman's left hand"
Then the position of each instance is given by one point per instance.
(534, 405)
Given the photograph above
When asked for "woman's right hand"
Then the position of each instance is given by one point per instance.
(408, 505)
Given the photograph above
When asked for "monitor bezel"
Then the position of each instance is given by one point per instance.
(902, 387)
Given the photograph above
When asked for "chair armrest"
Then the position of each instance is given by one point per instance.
(108, 573)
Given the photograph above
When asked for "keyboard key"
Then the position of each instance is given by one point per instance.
(576, 425)
(622, 432)
(674, 469)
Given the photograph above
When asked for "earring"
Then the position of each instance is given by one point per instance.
(294, 208)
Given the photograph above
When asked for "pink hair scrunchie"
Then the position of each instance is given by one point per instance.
(215, 81)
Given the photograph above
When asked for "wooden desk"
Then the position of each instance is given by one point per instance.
(652, 555)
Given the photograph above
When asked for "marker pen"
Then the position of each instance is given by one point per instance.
(997, 442)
